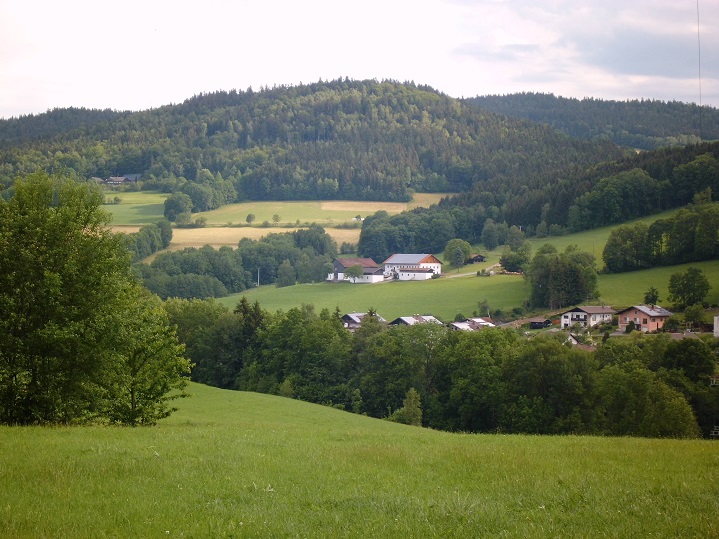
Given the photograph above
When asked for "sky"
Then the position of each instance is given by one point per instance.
(141, 54)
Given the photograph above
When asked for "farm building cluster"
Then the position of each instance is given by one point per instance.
(402, 267)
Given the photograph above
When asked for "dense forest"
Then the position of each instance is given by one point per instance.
(363, 140)
(494, 380)
(643, 124)
(605, 194)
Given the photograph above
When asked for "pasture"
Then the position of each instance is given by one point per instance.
(448, 296)
(444, 298)
(233, 464)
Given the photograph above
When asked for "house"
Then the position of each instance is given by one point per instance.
(414, 319)
(539, 322)
(371, 272)
(412, 267)
(122, 180)
(354, 320)
(475, 259)
(472, 324)
(645, 317)
(586, 316)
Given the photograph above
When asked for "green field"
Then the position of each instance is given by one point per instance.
(146, 207)
(233, 464)
(447, 297)
(443, 298)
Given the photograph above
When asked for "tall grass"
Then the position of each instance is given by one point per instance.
(232, 464)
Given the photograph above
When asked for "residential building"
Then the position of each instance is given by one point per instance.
(412, 267)
(371, 272)
(645, 317)
(586, 316)
(414, 319)
(354, 320)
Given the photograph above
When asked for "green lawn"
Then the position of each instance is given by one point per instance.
(136, 207)
(233, 464)
(443, 298)
(446, 297)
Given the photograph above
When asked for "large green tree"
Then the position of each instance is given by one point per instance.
(66, 320)
(688, 287)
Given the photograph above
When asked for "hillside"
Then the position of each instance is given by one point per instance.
(642, 124)
(233, 464)
(361, 140)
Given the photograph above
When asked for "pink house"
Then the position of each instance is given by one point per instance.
(645, 317)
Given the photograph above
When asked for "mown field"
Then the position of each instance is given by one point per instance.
(233, 464)
(447, 297)
(146, 207)
(444, 298)
(227, 225)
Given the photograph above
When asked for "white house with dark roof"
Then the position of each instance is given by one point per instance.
(371, 271)
(586, 316)
(352, 321)
(412, 267)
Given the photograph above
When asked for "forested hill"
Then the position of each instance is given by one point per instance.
(642, 124)
(340, 139)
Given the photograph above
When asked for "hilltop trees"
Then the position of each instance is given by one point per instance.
(71, 345)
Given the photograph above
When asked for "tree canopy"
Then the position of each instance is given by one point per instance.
(71, 344)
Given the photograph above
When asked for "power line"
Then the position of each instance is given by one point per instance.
(699, 51)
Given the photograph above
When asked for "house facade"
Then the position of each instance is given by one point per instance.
(586, 316)
(412, 267)
(646, 318)
(352, 321)
(371, 272)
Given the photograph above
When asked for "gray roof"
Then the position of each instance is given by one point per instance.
(654, 310)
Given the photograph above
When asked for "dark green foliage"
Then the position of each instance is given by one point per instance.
(491, 380)
(561, 279)
(78, 340)
(177, 204)
(645, 124)
(688, 288)
(207, 272)
(149, 239)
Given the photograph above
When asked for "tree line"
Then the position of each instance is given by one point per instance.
(494, 380)
(607, 194)
(303, 256)
(690, 235)
(361, 140)
(645, 124)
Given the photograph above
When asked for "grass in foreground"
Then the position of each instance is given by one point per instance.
(232, 464)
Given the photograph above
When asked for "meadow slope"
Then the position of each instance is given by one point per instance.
(233, 464)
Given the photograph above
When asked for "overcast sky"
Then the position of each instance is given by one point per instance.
(140, 54)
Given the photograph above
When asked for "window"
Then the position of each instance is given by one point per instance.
(644, 321)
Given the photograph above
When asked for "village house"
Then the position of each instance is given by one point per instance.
(412, 267)
(352, 321)
(645, 318)
(472, 324)
(586, 316)
(371, 272)
(414, 319)
(539, 322)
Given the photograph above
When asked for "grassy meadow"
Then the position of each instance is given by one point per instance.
(233, 464)
(443, 298)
